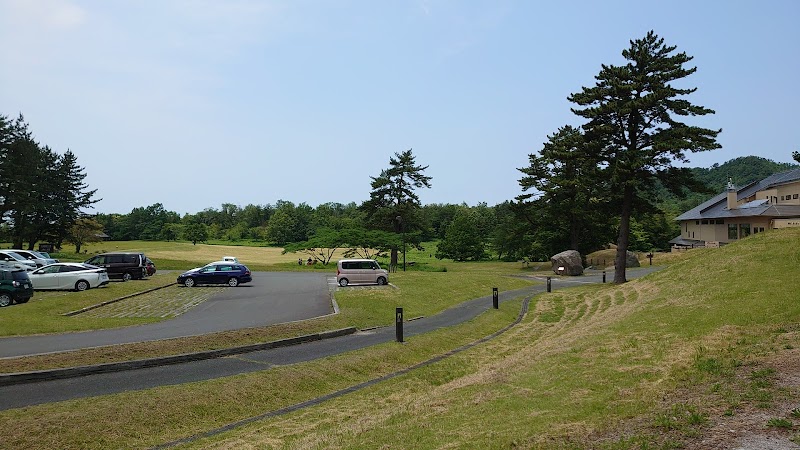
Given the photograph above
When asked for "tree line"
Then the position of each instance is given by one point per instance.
(42, 193)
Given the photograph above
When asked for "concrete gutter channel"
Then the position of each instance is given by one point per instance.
(74, 372)
(89, 308)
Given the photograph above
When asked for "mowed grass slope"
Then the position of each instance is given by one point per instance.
(592, 367)
(655, 363)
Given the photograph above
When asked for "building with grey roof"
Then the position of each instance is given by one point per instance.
(773, 202)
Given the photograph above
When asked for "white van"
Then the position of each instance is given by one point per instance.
(360, 271)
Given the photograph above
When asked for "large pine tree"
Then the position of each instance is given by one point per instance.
(634, 113)
(393, 205)
(566, 192)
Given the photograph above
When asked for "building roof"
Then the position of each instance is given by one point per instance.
(687, 242)
(717, 207)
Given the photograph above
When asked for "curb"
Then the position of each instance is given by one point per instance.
(74, 372)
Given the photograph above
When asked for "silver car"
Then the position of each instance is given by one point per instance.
(360, 271)
(38, 258)
(12, 260)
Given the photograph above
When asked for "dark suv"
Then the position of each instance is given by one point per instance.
(123, 265)
(16, 286)
(217, 273)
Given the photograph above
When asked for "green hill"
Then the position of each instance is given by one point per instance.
(743, 170)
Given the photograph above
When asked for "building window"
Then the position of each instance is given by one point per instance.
(704, 221)
(781, 198)
(733, 231)
(744, 230)
(697, 222)
(794, 196)
(719, 222)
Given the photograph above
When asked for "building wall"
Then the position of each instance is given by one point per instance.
(788, 194)
(712, 230)
(769, 194)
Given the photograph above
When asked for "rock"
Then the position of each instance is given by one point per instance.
(571, 262)
(631, 260)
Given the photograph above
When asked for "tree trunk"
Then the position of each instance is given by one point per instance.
(393, 262)
(77, 248)
(574, 234)
(620, 262)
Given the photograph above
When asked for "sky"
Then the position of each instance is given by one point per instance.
(196, 103)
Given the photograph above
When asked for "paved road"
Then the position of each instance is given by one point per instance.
(271, 298)
(17, 396)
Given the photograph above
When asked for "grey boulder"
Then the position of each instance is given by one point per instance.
(568, 262)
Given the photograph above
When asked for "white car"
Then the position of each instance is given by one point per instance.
(77, 276)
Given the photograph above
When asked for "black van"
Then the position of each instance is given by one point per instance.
(123, 265)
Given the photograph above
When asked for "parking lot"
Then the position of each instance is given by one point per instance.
(271, 298)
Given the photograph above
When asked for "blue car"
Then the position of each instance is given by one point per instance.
(217, 273)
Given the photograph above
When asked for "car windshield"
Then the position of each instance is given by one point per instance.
(16, 256)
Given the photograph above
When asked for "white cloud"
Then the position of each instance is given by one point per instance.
(44, 15)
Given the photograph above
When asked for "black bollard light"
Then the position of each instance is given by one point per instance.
(398, 321)
(549, 284)
(495, 298)
(604, 276)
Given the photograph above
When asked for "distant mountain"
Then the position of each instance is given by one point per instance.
(743, 170)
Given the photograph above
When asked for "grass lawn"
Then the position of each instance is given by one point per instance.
(666, 361)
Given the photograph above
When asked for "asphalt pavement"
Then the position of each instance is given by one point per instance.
(271, 298)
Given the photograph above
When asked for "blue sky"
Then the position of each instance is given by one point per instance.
(197, 103)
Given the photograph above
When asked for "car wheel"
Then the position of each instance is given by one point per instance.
(342, 282)
(233, 282)
(127, 276)
(81, 285)
(5, 300)
(381, 281)
(189, 282)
